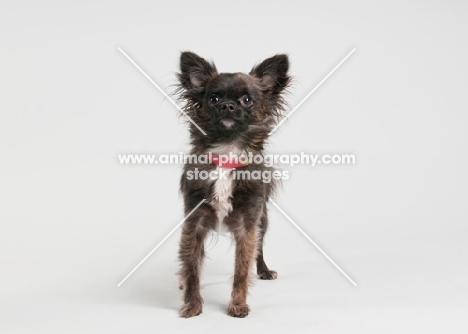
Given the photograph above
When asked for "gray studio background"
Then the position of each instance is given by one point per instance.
(74, 222)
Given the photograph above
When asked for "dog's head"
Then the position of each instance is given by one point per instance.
(233, 106)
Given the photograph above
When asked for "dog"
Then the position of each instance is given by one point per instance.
(236, 112)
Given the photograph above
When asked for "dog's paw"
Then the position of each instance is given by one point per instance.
(190, 310)
(238, 310)
(268, 275)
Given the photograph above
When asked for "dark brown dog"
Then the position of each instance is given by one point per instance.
(236, 111)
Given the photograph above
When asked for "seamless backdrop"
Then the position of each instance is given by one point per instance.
(74, 222)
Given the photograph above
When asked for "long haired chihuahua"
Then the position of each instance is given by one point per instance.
(236, 112)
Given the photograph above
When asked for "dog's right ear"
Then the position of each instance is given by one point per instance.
(194, 71)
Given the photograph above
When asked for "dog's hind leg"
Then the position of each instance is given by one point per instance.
(262, 270)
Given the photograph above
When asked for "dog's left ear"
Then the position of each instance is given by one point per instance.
(273, 74)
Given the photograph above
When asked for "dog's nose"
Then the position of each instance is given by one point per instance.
(228, 107)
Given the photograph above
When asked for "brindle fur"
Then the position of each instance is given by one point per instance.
(248, 219)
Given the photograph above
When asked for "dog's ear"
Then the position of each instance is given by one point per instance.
(273, 74)
(194, 71)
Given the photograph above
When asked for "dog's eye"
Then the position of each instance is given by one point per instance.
(247, 100)
(214, 98)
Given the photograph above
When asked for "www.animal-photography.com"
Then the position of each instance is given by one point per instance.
(249, 167)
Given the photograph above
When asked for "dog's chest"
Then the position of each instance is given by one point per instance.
(223, 186)
(222, 194)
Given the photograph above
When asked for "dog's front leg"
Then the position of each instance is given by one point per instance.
(246, 251)
(191, 254)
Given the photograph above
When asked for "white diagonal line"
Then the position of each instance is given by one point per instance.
(313, 90)
(162, 91)
(162, 241)
(313, 243)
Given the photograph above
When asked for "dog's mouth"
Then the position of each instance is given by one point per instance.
(227, 122)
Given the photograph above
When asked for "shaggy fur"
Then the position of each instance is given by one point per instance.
(237, 111)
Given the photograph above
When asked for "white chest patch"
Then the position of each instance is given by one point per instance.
(222, 192)
(223, 186)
